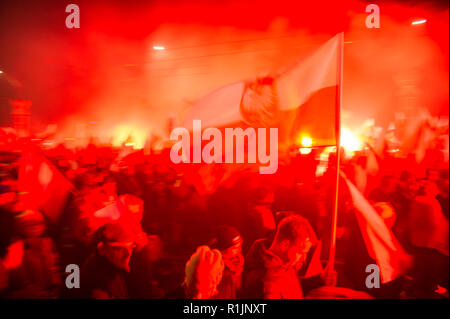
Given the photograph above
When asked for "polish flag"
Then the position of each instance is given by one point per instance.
(380, 242)
(44, 187)
(302, 101)
(309, 95)
(315, 265)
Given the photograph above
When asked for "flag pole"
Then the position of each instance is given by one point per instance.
(339, 74)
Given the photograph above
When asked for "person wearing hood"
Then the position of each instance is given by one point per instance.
(106, 271)
(428, 236)
(32, 260)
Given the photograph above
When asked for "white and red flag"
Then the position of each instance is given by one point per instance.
(301, 101)
(43, 186)
(379, 240)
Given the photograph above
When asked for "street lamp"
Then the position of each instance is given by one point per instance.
(421, 21)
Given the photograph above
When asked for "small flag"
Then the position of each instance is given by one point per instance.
(380, 242)
(315, 265)
(45, 187)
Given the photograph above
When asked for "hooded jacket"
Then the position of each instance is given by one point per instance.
(266, 276)
(428, 227)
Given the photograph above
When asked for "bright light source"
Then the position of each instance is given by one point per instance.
(132, 135)
(306, 141)
(349, 141)
(1, 71)
(418, 21)
(304, 151)
(158, 47)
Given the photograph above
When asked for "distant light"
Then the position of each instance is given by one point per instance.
(418, 21)
(350, 141)
(306, 141)
(1, 71)
(158, 47)
(124, 134)
(305, 151)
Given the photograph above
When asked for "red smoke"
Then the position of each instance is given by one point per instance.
(108, 72)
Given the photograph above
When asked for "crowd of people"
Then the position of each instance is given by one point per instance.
(138, 226)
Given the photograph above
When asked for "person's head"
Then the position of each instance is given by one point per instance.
(264, 197)
(203, 273)
(229, 241)
(110, 187)
(361, 161)
(6, 230)
(7, 195)
(387, 212)
(388, 184)
(433, 174)
(134, 204)
(293, 239)
(30, 223)
(406, 176)
(428, 188)
(116, 244)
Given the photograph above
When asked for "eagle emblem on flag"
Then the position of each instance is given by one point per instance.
(259, 104)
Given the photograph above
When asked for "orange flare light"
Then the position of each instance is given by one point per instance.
(306, 141)
(350, 141)
(131, 136)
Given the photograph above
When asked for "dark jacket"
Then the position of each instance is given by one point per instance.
(38, 275)
(228, 287)
(99, 274)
